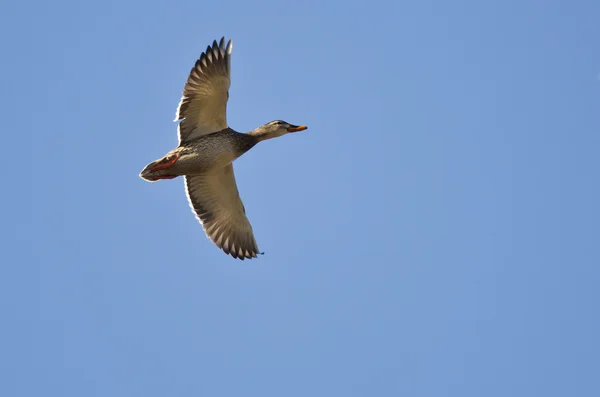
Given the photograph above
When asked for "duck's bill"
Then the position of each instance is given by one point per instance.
(296, 128)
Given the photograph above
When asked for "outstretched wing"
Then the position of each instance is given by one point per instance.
(215, 199)
(203, 105)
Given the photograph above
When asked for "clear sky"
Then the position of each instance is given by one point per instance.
(435, 231)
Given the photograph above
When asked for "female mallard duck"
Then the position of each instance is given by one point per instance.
(207, 148)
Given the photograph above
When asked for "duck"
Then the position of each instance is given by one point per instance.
(207, 149)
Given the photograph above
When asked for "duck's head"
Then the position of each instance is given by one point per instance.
(276, 128)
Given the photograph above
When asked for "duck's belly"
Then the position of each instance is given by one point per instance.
(213, 151)
(218, 160)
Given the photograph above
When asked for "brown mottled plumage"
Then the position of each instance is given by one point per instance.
(207, 149)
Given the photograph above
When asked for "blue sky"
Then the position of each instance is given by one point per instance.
(433, 233)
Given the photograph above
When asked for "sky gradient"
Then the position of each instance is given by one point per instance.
(434, 232)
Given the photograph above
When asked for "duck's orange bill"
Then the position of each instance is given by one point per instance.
(298, 128)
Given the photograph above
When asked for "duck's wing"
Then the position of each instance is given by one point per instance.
(203, 105)
(215, 199)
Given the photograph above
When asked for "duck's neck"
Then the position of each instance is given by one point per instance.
(262, 134)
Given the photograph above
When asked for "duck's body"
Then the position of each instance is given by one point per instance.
(210, 151)
(207, 148)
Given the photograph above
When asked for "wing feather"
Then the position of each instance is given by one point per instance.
(215, 200)
(203, 105)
